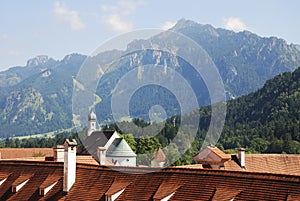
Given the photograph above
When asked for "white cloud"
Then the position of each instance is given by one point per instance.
(234, 24)
(118, 24)
(116, 16)
(168, 25)
(70, 16)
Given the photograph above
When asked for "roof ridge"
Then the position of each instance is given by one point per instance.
(238, 174)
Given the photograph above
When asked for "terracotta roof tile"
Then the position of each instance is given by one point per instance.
(273, 163)
(166, 188)
(4, 175)
(268, 163)
(27, 159)
(13, 153)
(117, 186)
(232, 165)
(21, 179)
(37, 172)
(94, 181)
(293, 198)
(159, 156)
(211, 155)
(192, 166)
(225, 194)
(86, 159)
(51, 178)
(220, 153)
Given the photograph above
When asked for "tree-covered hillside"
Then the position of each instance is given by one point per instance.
(267, 120)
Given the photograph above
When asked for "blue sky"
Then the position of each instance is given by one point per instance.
(60, 27)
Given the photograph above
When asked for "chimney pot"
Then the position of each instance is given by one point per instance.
(58, 153)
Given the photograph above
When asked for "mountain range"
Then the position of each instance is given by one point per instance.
(37, 98)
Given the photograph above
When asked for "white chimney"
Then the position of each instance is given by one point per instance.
(241, 157)
(69, 164)
(58, 153)
(101, 152)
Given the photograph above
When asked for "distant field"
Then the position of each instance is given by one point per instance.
(44, 135)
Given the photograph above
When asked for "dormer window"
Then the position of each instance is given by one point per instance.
(168, 197)
(165, 191)
(4, 177)
(115, 190)
(50, 182)
(45, 190)
(2, 181)
(20, 182)
(115, 195)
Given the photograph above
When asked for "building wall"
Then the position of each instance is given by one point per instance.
(123, 161)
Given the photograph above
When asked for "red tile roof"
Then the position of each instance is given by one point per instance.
(13, 153)
(225, 194)
(293, 198)
(166, 188)
(220, 153)
(4, 175)
(86, 160)
(117, 186)
(264, 163)
(159, 156)
(268, 163)
(93, 182)
(21, 179)
(51, 178)
(192, 166)
(211, 155)
(37, 174)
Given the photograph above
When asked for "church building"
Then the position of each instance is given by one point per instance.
(107, 147)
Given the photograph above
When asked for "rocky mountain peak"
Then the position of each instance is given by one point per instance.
(184, 25)
(39, 60)
(74, 57)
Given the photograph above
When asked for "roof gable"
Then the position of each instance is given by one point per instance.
(211, 155)
(3, 177)
(225, 194)
(120, 148)
(20, 182)
(166, 188)
(116, 186)
(50, 181)
(96, 139)
(159, 156)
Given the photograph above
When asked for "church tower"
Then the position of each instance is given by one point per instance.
(92, 123)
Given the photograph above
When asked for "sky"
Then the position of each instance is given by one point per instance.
(61, 27)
